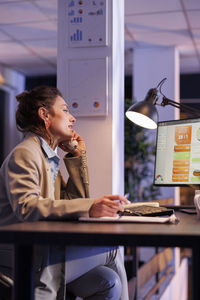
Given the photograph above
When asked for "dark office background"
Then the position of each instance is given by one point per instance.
(34, 81)
(189, 84)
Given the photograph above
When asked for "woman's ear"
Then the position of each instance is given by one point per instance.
(43, 113)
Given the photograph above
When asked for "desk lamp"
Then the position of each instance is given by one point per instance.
(145, 114)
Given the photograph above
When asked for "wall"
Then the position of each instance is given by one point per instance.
(14, 84)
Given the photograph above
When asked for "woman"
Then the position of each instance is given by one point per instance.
(32, 189)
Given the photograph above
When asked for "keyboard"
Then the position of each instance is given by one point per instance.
(145, 210)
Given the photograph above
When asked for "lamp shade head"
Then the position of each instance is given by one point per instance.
(144, 113)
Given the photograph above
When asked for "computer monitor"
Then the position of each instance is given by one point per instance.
(177, 160)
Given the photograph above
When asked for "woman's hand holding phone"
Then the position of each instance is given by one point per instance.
(75, 146)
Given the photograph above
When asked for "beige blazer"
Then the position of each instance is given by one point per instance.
(26, 189)
(27, 194)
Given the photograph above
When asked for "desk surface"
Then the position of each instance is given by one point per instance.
(24, 235)
(184, 234)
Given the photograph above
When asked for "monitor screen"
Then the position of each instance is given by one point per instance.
(178, 153)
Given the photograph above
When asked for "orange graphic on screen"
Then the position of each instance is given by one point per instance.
(180, 170)
(180, 177)
(181, 163)
(182, 148)
(183, 134)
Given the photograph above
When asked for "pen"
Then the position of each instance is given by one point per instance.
(127, 195)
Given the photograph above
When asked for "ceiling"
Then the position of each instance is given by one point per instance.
(28, 32)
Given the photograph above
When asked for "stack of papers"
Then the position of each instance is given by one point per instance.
(138, 219)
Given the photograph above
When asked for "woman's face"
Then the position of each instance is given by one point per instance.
(61, 121)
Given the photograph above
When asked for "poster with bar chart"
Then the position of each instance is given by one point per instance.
(87, 23)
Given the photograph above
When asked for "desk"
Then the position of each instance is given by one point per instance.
(184, 234)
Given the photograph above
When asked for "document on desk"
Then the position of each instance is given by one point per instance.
(132, 219)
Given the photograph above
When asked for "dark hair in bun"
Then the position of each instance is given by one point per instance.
(27, 118)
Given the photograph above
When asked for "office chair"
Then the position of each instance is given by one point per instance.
(6, 284)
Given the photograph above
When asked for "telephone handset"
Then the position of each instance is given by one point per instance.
(72, 145)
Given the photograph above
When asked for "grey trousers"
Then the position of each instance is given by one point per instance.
(80, 274)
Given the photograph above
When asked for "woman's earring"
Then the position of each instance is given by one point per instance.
(47, 124)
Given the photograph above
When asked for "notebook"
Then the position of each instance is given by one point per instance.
(146, 210)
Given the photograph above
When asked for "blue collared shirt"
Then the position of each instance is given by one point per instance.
(53, 158)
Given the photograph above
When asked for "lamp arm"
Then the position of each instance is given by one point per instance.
(186, 108)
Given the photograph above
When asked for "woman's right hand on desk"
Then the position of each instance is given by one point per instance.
(107, 206)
